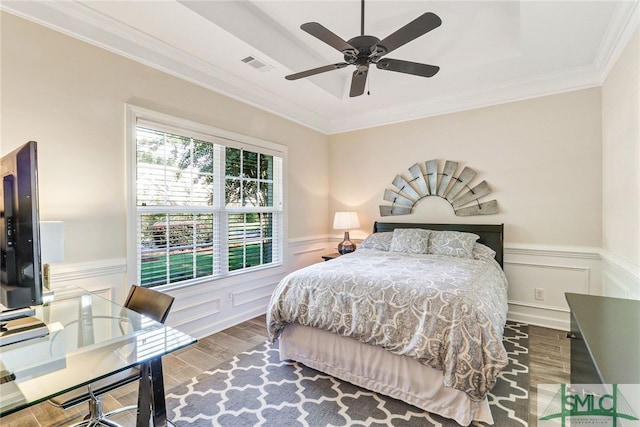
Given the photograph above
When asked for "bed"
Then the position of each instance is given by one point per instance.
(416, 313)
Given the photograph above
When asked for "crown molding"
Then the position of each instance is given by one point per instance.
(624, 24)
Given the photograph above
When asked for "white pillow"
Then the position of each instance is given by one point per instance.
(410, 240)
(481, 251)
(378, 241)
(452, 243)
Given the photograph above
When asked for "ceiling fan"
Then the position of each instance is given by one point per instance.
(364, 50)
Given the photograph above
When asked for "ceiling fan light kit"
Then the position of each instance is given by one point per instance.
(363, 50)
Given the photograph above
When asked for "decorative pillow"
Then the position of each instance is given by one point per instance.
(410, 240)
(452, 243)
(378, 241)
(481, 251)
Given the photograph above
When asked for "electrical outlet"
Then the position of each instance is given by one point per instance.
(539, 294)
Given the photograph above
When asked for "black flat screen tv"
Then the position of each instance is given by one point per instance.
(20, 270)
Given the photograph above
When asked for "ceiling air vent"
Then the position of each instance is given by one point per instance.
(257, 63)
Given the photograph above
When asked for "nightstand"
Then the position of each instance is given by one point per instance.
(330, 256)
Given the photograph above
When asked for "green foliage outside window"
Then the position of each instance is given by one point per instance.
(176, 196)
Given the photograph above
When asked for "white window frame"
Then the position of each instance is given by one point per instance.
(135, 115)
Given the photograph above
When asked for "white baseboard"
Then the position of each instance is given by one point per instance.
(539, 316)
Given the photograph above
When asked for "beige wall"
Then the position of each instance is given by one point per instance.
(541, 157)
(621, 156)
(70, 97)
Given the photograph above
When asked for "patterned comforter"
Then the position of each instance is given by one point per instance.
(445, 312)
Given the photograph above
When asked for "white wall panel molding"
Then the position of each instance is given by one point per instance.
(104, 277)
(254, 295)
(318, 238)
(539, 276)
(309, 249)
(304, 251)
(620, 278)
(193, 305)
(106, 293)
(552, 251)
(65, 272)
(209, 307)
(633, 270)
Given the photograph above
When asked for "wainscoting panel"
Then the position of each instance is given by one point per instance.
(256, 295)
(550, 280)
(194, 307)
(107, 277)
(212, 306)
(304, 252)
(539, 277)
(620, 279)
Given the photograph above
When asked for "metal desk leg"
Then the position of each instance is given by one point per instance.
(158, 402)
(151, 399)
(144, 396)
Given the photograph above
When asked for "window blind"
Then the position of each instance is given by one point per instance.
(204, 209)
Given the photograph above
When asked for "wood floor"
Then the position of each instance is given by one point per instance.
(549, 364)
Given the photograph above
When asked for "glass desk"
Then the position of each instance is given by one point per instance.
(90, 338)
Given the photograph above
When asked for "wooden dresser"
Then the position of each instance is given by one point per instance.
(605, 345)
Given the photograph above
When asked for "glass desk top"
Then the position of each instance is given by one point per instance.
(90, 338)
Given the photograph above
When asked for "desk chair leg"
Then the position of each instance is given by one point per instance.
(119, 410)
(95, 416)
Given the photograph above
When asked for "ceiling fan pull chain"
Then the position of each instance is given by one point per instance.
(362, 18)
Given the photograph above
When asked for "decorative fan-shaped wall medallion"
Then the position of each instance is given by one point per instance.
(428, 181)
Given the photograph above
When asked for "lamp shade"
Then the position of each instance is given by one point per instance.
(52, 241)
(345, 221)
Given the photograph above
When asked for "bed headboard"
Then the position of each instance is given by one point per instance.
(491, 235)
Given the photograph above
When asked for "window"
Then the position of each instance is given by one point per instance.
(206, 206)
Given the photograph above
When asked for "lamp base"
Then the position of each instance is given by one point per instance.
(346, 246)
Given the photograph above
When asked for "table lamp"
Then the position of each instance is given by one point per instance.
(51, 247)
(346, 221)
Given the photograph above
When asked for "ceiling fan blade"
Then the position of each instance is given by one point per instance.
(415, 68)
(315, 71)
(322, 33)
(414, 29)
(358, 81)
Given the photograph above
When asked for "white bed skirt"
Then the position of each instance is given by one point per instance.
(376, 369)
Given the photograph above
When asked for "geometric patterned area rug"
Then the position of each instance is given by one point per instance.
(255, 389)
